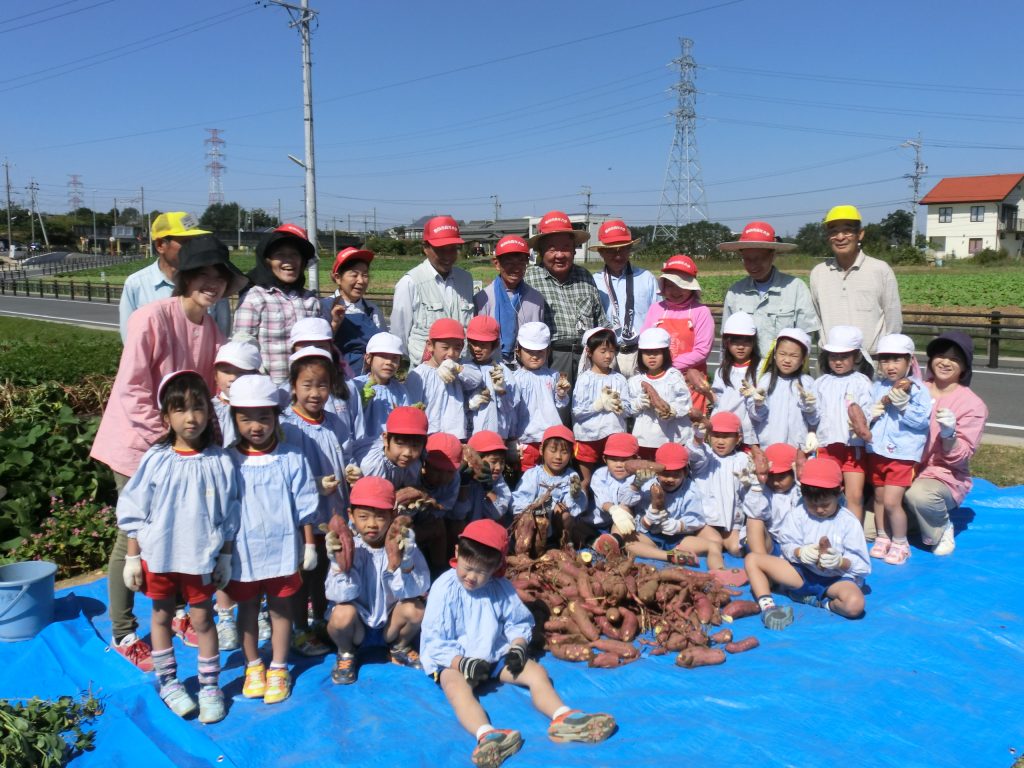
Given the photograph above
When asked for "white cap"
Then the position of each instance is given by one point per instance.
(384, 343)
(843, 338)
(739, 324)
(254, 391)
(686, 282)
(895, 344)
(654, 338)
(796, 334)
(167, 380)
(240, 354)
(301, 354)
(310, 329)
(534, 336)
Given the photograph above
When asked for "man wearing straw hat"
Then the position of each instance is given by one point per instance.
(573, 303)
(627, 292)
(774, 299)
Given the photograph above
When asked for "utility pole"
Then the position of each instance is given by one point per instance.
(334, 233)
(375, 220)
(585, 191)
(238, 226)
(145, 220)
(31, 189)
(920, 169)
(301, 16)
(497, 207)
(10, 237)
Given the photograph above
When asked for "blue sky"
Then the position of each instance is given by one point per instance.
(436, 107)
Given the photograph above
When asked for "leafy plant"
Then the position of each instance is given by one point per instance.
(46, 734)
(77, 537)
(991, 256)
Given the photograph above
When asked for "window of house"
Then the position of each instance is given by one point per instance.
(977, 213)
(974, 245)
(945, 215)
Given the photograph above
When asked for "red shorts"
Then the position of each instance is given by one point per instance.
(280, 586)
(852, 458)
(647, 454)
(167, 586)
(886, 471)
(531, 456)
(590, 451)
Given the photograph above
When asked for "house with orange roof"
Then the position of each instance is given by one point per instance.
(967, 214)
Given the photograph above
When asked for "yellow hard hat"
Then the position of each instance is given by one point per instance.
(176, 224)
(843, 213)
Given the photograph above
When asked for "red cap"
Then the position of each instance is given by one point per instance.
(556, 222)
(486, 441)
(781, 457)
(822, 473)
(559, 431)
(483, 328)
(442, 230)
(726, 421)
(444, 451)
(672, 456)
(511, 244)
(490, 534)
(757, 234)
(345, 255)
(446, 328)
(373, 492)
(292, 229)
(621, 445)
(406, 420)
(614, 232)
(680, 263)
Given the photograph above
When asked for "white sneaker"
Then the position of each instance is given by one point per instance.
(227, 631)
(946, 543)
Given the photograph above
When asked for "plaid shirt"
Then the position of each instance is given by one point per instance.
(573, 307)
(267, 316)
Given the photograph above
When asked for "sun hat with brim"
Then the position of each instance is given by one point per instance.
(167, 380)
(654, 338)
(441, 231)
(348, 255)
(384, 343)
(556, 223)
(534, 336)
(486, 441)
(823, 472)
(780, 457)
(444, 451)
(241, 354)
(254, 391)
(726, 422)
(292, 234)
(957, 339)
(559, 431)
(490, 534)
(895, 344)
(310, 329)
(621, 445)
(757, 234)
(843, 338)
(681, 271)
(739, 324)
(207, 251)
(373, 492)
(672, 456)
(406, 420)
(176, 224)
(613, 234)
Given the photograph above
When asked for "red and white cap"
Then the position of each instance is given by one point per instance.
(486, 441)
(681, 271)
(444, 452)
(823, 472)
(373, 492)
(441, 231)
(739, 324)
(621, 445)
(781, 457)
(726, 422)
(350, 254)
(672, 456)
(757, 234)
(384, 343)
(446, 328)
(406, 420)
(559, 431)
(614, 234)
(483, 328)
(555, 223)
(511, 244)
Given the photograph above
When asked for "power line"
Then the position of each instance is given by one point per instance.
(37, 12)
(58, 16)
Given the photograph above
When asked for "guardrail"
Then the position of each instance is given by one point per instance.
(34, 271)
(991, 330)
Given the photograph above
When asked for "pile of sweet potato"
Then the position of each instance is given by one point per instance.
(595, 612)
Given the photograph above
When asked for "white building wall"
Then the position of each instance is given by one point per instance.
(1013, 241)
(960, 230)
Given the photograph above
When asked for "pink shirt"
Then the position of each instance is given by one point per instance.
(953, 468)
(161, 339)
(703, 328)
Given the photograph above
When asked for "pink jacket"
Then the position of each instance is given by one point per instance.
(161, 339)
(953, 468)
(703, 328)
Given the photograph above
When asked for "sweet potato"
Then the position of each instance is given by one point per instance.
(571, 651)
(738, 609)
(823, 545)
(343, 557)
(604, 661)
(583, 586)
(657, 496)
(395, 541)
(705, 610)
(619, 648)
(630, 625)
(522, 531)
(657, 401)
(695, 656)
(676, 641)
(720, 637)
(747, 644)
(640, 465)
(586, 625)
(698, 382)
(607, 628)
(560, 624)
(858, 422)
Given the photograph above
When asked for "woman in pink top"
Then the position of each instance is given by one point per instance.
(163, 336)
(688, 322)
(958, 419)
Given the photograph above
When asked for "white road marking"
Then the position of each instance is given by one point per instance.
(1004, 426)
(37, 316)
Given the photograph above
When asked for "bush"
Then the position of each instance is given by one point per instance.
(990, 256)
(77, 537)
(907, 255)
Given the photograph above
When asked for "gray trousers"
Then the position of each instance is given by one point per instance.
(120, 599)
(929, 502)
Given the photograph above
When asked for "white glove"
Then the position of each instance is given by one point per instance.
(899, 398)
(746, 388)
(946, 420)
(448, 371)
(654, 519)
(829, 560)
(876, 411)
(642, 476)
(353, 473)
(759, 396)
(333, 543)
(807, 401)
(811, 443)
(746, 475)
(602, 402)
(133, 572)
(809, 554)
(622, 518)
(614, 400)
(641, 401)
(222, 570)
(309, 557)
(407, 548)
(498, 379)
(479, 400)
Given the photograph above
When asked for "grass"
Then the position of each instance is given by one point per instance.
(1002, 465)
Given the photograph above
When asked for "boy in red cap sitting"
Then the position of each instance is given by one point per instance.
(396, 457)
(616, 492)
(434, 381)
(476, 629)
(378, 598)
(824, 556)
(782, 495)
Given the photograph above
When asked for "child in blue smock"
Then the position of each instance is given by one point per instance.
(436, 381)
(487, 381)
(541, 391)
(379, 599)
(380, 391)
(234, 359)
(736, 376)
(279, 500)
(487, 496)
(653, 427)
(781, 495)
(437, 526)
(901, 416)
(396, 457)
(476, 629)
(830, 577)
(554, 474)
(615, 494)
(783, 407)
(180, 511)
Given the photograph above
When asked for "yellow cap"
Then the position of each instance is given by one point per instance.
(176, 224)
(843, 213)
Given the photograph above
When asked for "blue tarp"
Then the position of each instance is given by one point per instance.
(931, 676)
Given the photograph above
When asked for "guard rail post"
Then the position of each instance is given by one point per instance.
(56, 290)
(71, 288)
(107, 286)
(993, 338)
(88, 290)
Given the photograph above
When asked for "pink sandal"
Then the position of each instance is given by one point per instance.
(898, 554)
(730, 577)
(880, 549)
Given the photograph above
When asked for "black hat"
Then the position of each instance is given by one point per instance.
(207, 251)
(961, 341)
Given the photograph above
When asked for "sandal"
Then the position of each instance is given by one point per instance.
(898, 554)
(880, 549)
(730, 577)
(682, 557)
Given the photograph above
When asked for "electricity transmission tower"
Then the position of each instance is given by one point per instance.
(215, 166)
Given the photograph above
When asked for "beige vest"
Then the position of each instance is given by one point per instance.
(431, 304)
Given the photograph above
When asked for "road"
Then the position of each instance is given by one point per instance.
(1002, 389)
